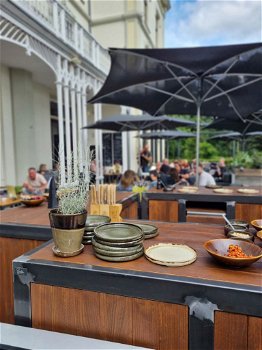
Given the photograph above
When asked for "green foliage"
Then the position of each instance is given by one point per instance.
(257, 158)
(242, 159)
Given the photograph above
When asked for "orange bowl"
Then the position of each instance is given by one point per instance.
(257, 224)
(32, 201)
(218, 249)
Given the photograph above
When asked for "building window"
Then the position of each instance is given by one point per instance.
(112, 148)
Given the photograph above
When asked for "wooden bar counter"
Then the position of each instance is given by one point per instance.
(200, 306)
(179, 207)
(24, 228)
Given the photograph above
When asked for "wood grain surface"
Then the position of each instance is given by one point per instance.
(133, 321)
(191, 234)
(248, 212)
(39, 215)
(160, 210)
(10, 249)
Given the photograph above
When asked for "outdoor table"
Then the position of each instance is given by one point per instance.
(200, 306)
(9, 202)
(24, 228)
(173, 206)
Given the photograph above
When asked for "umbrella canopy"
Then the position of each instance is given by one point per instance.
(223, 81)
(167, 135)
(235, 135)
(236, 125)
(126, 122)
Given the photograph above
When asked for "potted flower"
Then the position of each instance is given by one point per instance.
(68, 219)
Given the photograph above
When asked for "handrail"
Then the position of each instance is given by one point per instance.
(56, 18)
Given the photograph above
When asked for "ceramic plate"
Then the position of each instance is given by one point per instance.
(247, 190)
(213, 186)
(93, 221)
(114, 253)
(118, 232)
(67, 255)
(116, 249)
(170, 254)
(223, 190)
(148, 229)
(188, 189)
(152, 235)
(119, 258)
(120, 244)
(259, 234)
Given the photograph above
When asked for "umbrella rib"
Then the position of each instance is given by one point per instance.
(182, 84)
(217, 82)
(238, 56)
(169, 93)
(232, 89)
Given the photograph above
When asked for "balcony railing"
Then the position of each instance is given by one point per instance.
(54, 16)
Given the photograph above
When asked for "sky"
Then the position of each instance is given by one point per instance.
(192, 23)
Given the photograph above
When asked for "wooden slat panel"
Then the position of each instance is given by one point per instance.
(116, 318)
(10, 248)
(254, 333)
(161, 326)
(174, 326)
(248, 212)
(146, 324)
(130, 212)
(163, 210)
(230, 331)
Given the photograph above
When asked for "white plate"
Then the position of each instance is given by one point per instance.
(223, 190)
(247, 190)
(188, 189)
(170, 254)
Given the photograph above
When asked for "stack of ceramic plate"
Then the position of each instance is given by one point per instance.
(150, 231)
(170, 254)
(118, 242)
(93, 221)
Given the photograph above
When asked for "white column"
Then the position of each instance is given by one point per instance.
(74, 130)
(100, 141)
(61, 131)
(67, 127)
(84, 132)
(79, 125)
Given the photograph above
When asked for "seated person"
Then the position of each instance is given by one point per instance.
(35, 183)
(153, 178)
(205, 179)
(127, 181)
(45, 172)
(117, 168)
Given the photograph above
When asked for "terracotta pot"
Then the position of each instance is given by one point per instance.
(67, 222)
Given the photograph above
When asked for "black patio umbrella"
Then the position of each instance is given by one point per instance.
(224, 81)
(242, 137)
(236, 125)
(127, 122)
(167, 135)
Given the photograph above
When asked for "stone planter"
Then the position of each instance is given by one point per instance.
(68, 231)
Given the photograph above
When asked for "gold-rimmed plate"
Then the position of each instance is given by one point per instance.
(170, 254)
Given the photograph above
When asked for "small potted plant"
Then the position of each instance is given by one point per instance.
(68, 219)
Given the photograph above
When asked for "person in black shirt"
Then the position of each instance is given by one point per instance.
(145, 159)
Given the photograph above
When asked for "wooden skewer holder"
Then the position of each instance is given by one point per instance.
(111, 210)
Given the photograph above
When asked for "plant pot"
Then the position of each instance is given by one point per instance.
(67, 242)
(67, 222)
(68, 231)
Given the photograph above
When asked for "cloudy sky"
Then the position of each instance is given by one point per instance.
(213, 22)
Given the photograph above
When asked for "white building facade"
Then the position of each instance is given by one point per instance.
(53, 59)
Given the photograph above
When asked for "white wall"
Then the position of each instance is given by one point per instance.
(31, 120)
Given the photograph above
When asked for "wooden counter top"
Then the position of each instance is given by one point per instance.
(194, 235)
(39, 215)
(207, 194)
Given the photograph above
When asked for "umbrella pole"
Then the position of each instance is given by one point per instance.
(197, 141)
